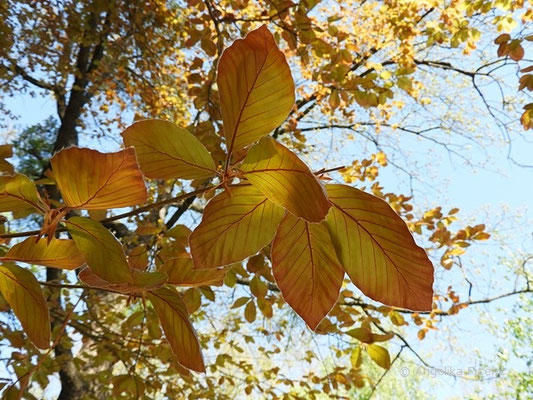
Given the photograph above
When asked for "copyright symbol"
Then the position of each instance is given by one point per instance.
(404, 371)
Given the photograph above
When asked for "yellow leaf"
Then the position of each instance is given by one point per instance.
(256, 88)
(166, 151)
(250, 312)
(92, 180)
(306, 268)
(181, 273)
(23, 293)
(178, 330)
(103, 252)
(142, 281)
(377, 250)
(18, 194)
(6, 151)
(281, 176)
(234, 226)
(59, 253)
(356, 357)
(379, 355)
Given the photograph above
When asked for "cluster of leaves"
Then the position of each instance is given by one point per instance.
(267, 197)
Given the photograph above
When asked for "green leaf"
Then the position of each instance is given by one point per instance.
(166, 151)
(103, 252)
(379, 355)
(306, 268)
(19, 195)
(285, 179)
(377, 250)
(234, 226)
(256, 89)
(23, 293)
(178, 330)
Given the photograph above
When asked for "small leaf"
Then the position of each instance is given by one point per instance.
(356, 357)
(250, 312)
(129, 384)
(377, 250)
(285, 179)
(19, 194)
(178, 330)
(379, 355)
(256, 89)
(166, 151)
(234, 226)
(241, 301)
(362, 334)
(23, 293)
(103, 252)
(92, 180)
(181, 273)
(59, 253)
(306, 268)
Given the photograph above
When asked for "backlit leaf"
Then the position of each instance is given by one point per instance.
(18, 193)
(59, 253)
(306, 268)
(180, 272)
(234, 226)
(142, 281)
(103, 252)
(379, 355)
(377, 250)
(23, 293)
(285, 179)
(256, 88)
(166, 151)
(92, 180)
(6, 151)
(178, 330)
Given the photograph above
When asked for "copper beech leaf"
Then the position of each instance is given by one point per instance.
(19, 194)
(142, 281)
(23, 293)
(166, 151)
(377, 250)
(59, 253)
(285, 179)
(234, 226)
(92, 180)
(102, 251)
(256, 88)
(306, 268)
(181, 272)
(179, 332)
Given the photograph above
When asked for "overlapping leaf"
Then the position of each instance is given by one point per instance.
(234, 226)
(180, 272)
(256, 88)
(58, 253)
(285, 179)
(306, 268)
(377, 250)
(178, 330)
(23, 293)
(142, 281)
(19, 194)
(166, 151)
(92, 180)
(102, 251)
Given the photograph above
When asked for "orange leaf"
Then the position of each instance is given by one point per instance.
(377, 250)
(92, 180)
(103, 252)
(59, 253)
(23, 293)
(285, 179)
(166, 151)
(234, 227)
(181, 273)
(178, 330)
(256, 88)
(306, 268)
(19, 194)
